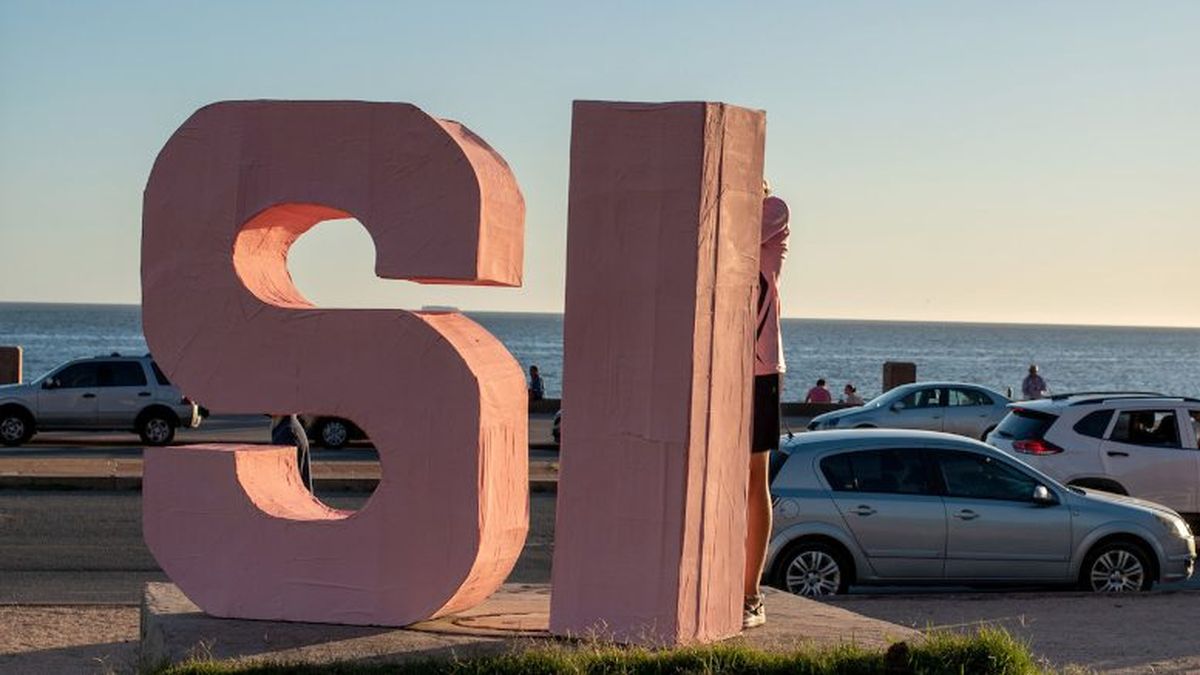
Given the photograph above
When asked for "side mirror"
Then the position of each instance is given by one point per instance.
(50, 383)
(1042, 495)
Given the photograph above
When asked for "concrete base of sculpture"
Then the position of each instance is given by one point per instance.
(514, 618)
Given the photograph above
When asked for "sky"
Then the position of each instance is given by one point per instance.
(948, 161)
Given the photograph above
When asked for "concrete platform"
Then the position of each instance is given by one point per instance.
(173, 629)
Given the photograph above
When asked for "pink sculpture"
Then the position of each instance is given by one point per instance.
(662, 266)
(443, 400)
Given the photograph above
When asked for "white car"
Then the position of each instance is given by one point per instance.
(1130, 443)
(106, 393)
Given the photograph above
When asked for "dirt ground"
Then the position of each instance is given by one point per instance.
(1152, 633)
(70, 639)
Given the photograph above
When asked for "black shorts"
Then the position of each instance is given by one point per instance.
(764, 436)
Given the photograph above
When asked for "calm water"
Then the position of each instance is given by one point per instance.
(1071, 357)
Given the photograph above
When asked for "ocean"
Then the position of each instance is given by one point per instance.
(1071, 358)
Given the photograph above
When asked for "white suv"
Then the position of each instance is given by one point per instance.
(1131, 443)
(113, 393)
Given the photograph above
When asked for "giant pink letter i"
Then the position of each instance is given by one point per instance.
(442, 399)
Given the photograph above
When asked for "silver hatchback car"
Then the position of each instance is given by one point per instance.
(913, 507)
(954, 407)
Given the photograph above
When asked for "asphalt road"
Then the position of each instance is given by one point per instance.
(86, 547)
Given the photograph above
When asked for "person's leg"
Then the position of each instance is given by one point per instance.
(758, 521)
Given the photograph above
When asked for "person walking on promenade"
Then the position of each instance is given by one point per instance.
(537, 391)
(819, 394)
(768, 364)
(1034, 387)
(287, 430)
(850, 395)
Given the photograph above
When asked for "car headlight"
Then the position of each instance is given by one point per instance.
(1176, 525)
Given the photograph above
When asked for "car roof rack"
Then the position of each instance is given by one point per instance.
(1142, 397)
(1061, 397)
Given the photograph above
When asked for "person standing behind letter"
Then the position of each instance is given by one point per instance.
(768, 364)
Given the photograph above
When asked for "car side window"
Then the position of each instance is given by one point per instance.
(1150, 428)
(1195, 415)
(924, 398)
(1094, 424)
(78, 376)
(974, 476)
(879, 471)
(965, 397)
(122, 374)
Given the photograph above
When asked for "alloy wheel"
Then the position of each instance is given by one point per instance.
(158, 430)
(1117, 571)
(813, 574)
(334, 434)
(12, 429)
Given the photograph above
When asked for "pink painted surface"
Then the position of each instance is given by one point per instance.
(442, 399)
(662, 265)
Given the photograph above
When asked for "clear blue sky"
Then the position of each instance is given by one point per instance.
(999, 161)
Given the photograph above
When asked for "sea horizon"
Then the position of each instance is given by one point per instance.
(960, 322)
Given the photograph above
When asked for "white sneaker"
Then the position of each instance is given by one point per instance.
(753, 612)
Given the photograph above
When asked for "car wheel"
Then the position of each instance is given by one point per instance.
(334, 434)
(813, 569)
(1117, 567)
(156, 428)
(16, 427)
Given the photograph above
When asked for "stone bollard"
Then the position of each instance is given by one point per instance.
(10, 365)
(896, 373)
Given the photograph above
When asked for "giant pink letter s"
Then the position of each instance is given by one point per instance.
(441, 398)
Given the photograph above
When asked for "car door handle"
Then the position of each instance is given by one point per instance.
(966, 514)
(863, 510)
(1114, 453)
(143, 393)
(89, 396)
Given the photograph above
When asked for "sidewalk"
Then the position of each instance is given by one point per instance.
(106, 473)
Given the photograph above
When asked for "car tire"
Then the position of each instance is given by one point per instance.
(157, 427)
(333, 434)
(813, 569)
(1120, 566)
(16, 427)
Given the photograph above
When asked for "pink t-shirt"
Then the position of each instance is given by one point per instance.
(818, 395)
(768, 348)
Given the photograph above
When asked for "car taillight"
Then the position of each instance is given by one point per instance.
(1036, 447)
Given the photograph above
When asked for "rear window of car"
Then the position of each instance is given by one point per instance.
(1023, 425)
(1094, 424)
(159, 375)
(122, 374)
(880, 471)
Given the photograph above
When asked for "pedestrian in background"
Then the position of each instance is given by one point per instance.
(1034, 387)
(819, 394)
(850, 395)
(537, 391)
(287, 430)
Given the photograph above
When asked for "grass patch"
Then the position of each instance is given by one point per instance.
(988, 652)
